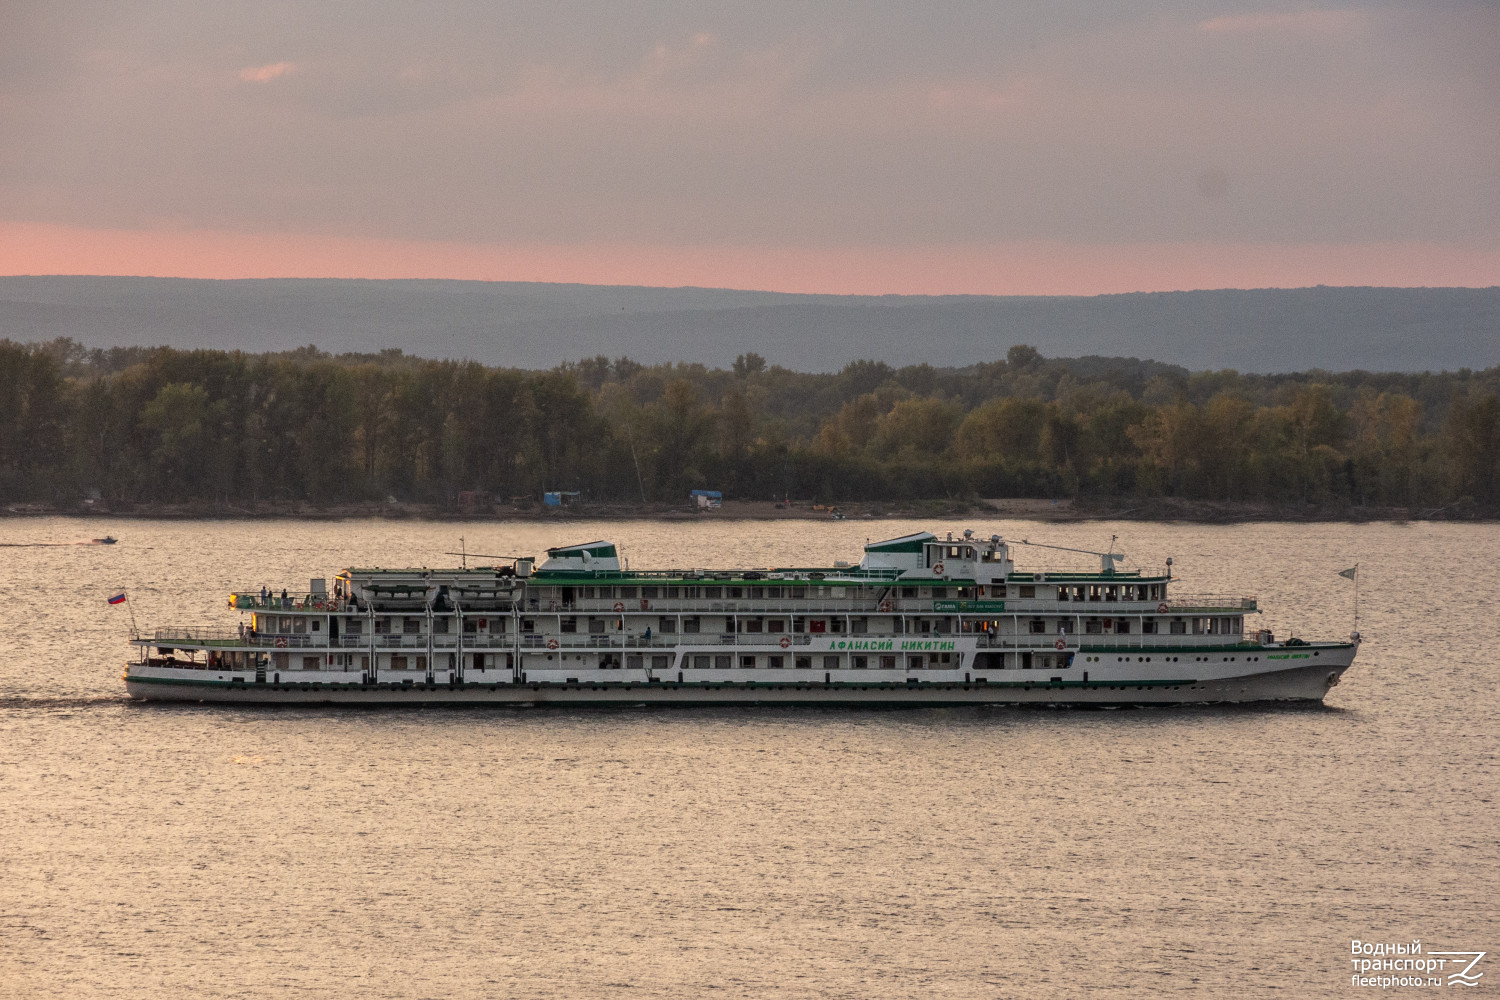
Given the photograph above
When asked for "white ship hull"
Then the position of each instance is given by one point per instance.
(1212, 679)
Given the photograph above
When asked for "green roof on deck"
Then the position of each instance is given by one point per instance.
(599, 550)
(906, 543)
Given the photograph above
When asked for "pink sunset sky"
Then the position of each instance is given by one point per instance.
(1007, 148)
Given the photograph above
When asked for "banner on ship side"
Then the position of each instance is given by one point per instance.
(968, 607)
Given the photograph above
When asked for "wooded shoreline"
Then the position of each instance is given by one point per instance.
(152, 432)
(1019, 509)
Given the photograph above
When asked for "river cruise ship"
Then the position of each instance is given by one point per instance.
(921, 620)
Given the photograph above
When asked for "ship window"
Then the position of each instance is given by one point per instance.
(1122, 627)
(421, 663)
(836, 625)
(569, 624)
(713, 593)
(859, 626)
(1179, 627)
(1093, 626)
(627, 592)
(830, 663)
(756, 593)
(908, 591)
(747, 662)
(1111, 593)
(702, 661)
(672, 592)
(753, 624)
(317, 625)
(861, 663)
(497, 626)
(722, 661)
(648, 592)
(596, 626)
(1038, 626)
(634, 661)
(310, 662)
(382, 626)
(914, 663)
(659, 661)
(398, 663)
(775, 662)
(734, 593)
(1148, 627)
(1028, 591)
(299, 625)
(773, 592)
(528, 625)
(887, 663)
(776, 625)
(666, 624)
(354, 626)
(690, 624)
(411, 626)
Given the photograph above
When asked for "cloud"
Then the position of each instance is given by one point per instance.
(263, 74)
(1303, 22)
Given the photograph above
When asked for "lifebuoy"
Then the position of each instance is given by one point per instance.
(619, 605)
(938, 568)
(1161, 609)
(551, 643)
(786, 642)
(1060, 644)
(281, 641)
(885, 606)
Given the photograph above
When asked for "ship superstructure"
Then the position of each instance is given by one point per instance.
(920, 620)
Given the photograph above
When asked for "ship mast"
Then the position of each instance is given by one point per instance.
(1107, 560)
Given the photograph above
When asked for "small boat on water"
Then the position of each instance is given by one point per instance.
(106, 540)
(921, 620)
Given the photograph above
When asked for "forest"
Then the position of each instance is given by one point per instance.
(158, 425)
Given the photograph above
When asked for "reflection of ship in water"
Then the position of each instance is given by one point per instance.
(921, 620)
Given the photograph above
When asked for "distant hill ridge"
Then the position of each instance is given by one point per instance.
(535, 325)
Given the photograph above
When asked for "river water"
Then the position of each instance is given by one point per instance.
(154, 850)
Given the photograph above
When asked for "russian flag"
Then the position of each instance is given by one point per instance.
(117, 599)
